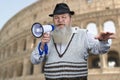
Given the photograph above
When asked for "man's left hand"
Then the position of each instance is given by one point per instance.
(103, 36)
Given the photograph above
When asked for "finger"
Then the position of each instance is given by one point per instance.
(112, 37)
(110, 33)
(46, 35)
(107, 34)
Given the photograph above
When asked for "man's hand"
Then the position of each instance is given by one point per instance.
(45, 39)
(103, 36)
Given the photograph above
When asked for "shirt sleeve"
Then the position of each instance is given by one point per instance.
(36, 58)
(96, 46)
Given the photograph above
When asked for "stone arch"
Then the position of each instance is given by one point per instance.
(93, 61)
(109, 26)
(23, 44)
(15, 47)
(10, 71)
(30, 68)
(34, 41)
(19, 69)
(8, 51)
(113, 59)
(4, 51)
(109, 19)
(92, 28)
(1, 53)
(90, 21)
(4, 73)
(0, 73)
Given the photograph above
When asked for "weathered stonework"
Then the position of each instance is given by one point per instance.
(17, 42)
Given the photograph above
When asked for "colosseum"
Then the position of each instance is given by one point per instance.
(17, 41)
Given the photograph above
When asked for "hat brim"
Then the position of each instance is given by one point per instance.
(71, 13)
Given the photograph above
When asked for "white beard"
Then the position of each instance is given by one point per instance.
(62, 36)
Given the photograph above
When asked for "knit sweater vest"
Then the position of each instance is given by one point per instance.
(72, 62)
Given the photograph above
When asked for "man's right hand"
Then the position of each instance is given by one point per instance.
(45, 39)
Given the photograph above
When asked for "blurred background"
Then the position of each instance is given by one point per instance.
(17, 41)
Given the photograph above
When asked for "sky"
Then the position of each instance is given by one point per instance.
(8, 8)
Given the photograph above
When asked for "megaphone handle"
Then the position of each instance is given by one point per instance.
(45, 49)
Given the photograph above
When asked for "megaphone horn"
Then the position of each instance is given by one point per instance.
(38, 29)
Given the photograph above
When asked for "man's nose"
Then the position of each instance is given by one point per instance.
(60, 19)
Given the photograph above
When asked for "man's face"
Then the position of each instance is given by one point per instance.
(62, 32)
(62, 20)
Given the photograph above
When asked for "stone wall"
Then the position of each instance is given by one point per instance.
(17, 42)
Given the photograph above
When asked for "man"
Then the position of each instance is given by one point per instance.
(66, 49)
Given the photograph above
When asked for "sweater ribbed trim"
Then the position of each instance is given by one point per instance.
(66, 69)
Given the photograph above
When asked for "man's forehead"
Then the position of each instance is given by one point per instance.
(64, 14)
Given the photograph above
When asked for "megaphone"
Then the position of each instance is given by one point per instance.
(38, 29)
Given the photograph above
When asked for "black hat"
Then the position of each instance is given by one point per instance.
(61, 8)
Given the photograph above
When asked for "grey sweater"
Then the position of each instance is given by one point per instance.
(73, 62)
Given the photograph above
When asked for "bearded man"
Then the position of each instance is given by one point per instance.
(66, 48)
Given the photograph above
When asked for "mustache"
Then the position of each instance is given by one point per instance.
(60, 24)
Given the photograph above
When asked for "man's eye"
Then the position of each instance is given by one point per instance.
(63, 17)
(55, 17)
